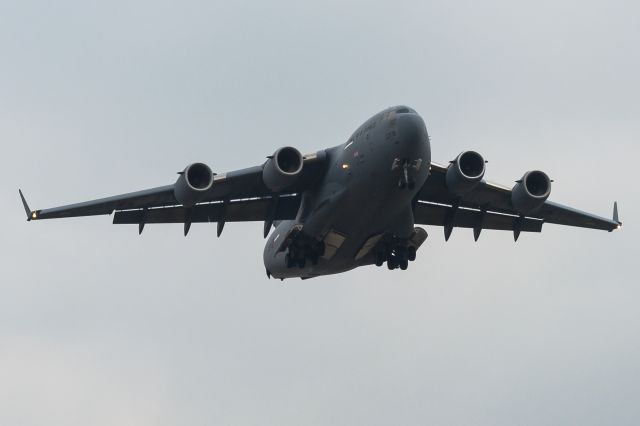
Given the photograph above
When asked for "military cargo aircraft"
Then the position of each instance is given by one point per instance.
(352, 205)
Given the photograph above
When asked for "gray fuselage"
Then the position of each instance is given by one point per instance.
(366, 195)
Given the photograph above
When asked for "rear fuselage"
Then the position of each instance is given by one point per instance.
(366, 194)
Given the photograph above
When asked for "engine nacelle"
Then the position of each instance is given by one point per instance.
(282, 169)
(193, 183)
(531, 191)
(465, 172)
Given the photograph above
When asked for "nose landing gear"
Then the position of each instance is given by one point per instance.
(407, 168)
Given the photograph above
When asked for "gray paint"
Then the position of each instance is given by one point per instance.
(101, 326)
(356, 204)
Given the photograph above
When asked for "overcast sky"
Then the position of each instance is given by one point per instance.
(100, 326)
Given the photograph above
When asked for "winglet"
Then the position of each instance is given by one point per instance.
(615, 214)
(30, 214)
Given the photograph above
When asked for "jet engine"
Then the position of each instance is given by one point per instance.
(465, 172)
(531, 191)
(282, 169)
(193, 183)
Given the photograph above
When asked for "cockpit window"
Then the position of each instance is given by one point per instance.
(404, 110)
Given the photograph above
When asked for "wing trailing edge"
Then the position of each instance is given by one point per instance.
(451, 216)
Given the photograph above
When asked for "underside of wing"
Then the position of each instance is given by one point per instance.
(261, 193)
(452, 198)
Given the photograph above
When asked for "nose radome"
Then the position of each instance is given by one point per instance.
(412, 131)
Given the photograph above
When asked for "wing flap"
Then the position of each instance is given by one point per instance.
(234, 211)
(443, 215)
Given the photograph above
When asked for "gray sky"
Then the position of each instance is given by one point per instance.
(100, 326)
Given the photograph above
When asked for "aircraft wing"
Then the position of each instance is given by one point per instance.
(489, 206)
(234, 196)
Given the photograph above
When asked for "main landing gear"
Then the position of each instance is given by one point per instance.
(396, 255)
(299, 252)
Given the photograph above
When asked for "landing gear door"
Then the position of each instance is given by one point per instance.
(295, 230)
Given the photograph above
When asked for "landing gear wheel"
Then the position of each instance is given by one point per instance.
(392, 264)
(404, 264)
(288, 260)
(379, 258)
(411, 253)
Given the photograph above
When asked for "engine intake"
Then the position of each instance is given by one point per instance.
(531, 191)
(282, 169)
(465, 172)
(193, 183)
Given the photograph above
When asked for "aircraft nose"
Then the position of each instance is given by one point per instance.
(412, 133)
